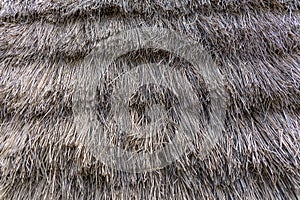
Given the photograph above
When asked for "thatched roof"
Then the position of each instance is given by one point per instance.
(254, 43)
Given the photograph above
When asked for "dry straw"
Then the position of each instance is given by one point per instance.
(255, 44)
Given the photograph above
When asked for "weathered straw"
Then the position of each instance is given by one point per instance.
(256, 45)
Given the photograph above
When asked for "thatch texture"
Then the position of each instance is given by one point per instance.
(256, 45)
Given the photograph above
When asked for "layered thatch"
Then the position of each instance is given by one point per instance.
(256, 45)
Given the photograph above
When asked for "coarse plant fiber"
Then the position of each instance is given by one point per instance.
(256, 46)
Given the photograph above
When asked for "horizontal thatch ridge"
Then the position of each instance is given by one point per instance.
(57, 11)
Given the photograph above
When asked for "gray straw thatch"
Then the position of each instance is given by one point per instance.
(256, 46)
